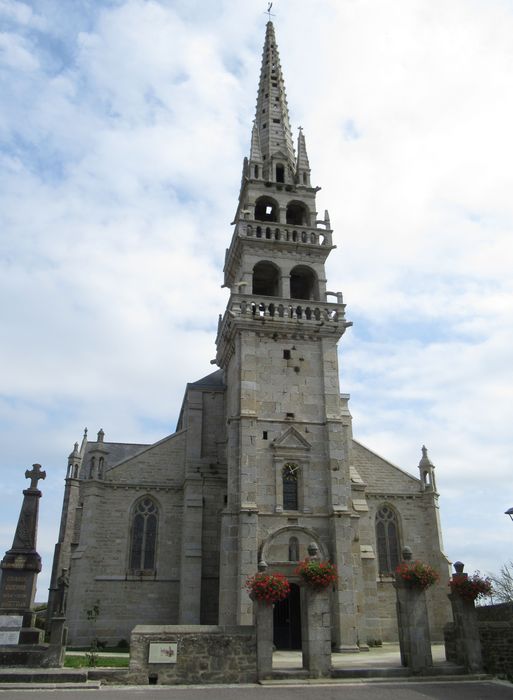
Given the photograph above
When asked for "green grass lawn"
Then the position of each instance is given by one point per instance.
(84, 661)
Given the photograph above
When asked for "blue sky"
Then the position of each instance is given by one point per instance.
(122, 133)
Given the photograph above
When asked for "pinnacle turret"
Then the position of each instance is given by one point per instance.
(427, 472)
(302, 164)
(255, 156)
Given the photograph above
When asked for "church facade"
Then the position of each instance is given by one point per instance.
(263, 461)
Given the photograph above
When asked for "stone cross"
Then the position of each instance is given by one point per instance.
(35, 475)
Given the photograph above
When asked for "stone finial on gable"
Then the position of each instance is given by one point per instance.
(74, 454)
(425, 459)
(427, 472)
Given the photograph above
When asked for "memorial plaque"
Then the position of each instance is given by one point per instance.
(9, 637)
(15, 590)
(9, 621)
(163, 653)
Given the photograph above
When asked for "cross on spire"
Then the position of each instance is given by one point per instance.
(35, 475)
(268, 11)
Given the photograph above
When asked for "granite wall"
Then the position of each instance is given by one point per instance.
(496, 637)
(205, 654)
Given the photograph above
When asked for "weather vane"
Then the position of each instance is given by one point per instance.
(269, 6)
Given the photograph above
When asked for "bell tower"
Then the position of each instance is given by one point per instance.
(288, 432)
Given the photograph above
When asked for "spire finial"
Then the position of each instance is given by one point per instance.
(268, 11)
(425, 461)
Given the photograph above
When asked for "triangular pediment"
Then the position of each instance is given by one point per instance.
(279, 155)
(291, 439)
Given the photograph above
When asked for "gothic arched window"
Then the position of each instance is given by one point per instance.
(290, 490)
(143, 545)
(387, 539)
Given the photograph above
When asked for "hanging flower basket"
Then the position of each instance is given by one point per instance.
(268, 588)
(317, 574)
(416, 574)
(471, 587)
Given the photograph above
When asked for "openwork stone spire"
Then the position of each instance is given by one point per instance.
(272, 114)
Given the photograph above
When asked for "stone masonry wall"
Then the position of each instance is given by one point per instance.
(100, 574)
(206, 654)
(496, 646)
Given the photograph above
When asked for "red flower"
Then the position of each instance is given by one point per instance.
(471, 587)
(317, 574)
(269, 588)
(417, 574)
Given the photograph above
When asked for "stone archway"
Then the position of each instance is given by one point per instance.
(281, 552)
(274, 550)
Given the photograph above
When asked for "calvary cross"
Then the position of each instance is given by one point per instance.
(35, 475)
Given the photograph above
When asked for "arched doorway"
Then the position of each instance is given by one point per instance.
(287, 620)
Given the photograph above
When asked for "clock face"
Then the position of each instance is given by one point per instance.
(291, 468)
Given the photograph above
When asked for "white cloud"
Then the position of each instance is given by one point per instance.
(16, 53)
(22, 14)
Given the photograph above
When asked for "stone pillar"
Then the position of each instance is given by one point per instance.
(412, 621)
(190, 579)
(285, 286)
(21, 564)
(316, 631)
(264, 636)
(56, 650)
(316, 625)
(466, 630)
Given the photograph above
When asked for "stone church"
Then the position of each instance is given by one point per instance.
(263, 461)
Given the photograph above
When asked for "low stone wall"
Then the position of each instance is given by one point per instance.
(204, 654)
(496, 646)
(500, 612)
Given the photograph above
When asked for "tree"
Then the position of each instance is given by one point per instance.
(503, 583)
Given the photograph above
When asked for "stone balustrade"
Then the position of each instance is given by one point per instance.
(272, 231)
(248, 306)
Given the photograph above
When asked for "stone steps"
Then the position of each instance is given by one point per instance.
(372, 675)
(396, 672)
(55, 676)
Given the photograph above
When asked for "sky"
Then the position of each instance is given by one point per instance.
(123, 126)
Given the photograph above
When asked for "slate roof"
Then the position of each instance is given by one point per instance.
(117, 451)
(214, 380)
